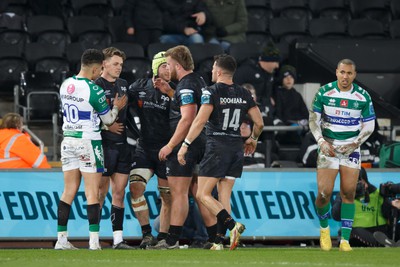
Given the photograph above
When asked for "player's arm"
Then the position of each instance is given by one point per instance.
(199, 122)
(109, 116)
(194, 131)
(188, 114)
(258, 125)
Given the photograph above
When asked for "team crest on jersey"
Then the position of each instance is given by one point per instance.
(95, 87)
(344, 103)
(205, 97)
(123, 88)
(70, 89)
(371, 109)
(356, 105)
(187, 96)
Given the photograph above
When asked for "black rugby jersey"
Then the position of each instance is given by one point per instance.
(152, 107)
(188, 91)
(231, 105)
(120, 86)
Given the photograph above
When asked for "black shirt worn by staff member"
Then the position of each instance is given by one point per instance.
(152, 107)
(110, 89)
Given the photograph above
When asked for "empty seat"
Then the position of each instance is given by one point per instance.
(39, 97)
(258, 38)
(16, 38)
(395, 8)
(365, 28)
(288, 29)
(335, 9)
(154, 48)
(99, 8)
(117, 29)
(10, 69)
(136, 68)
(90, 31)
(47, 58)
(327, 28)
(204, 52)
(48, 29)
(244, 51)
(296, 9)
(258, 19)
(131, 50)
(395, 29)
(371, 9)
(74, 53)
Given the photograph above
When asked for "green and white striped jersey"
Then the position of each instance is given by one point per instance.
(82, 102)
(342, 113)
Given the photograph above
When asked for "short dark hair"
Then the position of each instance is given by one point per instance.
(347, 61)
(92, 56)
(226, 62)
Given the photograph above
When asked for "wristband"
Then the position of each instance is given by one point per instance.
(184, 144)
(187, 142)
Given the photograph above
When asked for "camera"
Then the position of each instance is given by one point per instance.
(360, 189)
(390, 190)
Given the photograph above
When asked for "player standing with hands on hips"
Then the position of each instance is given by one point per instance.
(341, 119)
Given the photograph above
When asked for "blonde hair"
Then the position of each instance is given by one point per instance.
(182, 55)
(11, 121)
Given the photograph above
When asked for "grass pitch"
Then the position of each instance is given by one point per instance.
(360, 257)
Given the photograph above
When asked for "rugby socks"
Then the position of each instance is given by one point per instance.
(347, 215)
(224, 218)
(174, 234)
(221, 232)
(323, 215)
(162, 236)
(63, 215)
(146, 230)
(117, 217)
(212, 232)
(93, 214)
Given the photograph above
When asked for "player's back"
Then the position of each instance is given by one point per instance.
(82, 101)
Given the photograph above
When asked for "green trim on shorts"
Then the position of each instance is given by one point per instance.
(98, 154)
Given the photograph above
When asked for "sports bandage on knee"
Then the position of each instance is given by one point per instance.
(140, 176)
(139, 204)
(164, 190)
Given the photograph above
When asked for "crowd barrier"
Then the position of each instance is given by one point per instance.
(272, 203)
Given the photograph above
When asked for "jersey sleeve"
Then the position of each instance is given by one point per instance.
(206, 97)
(317, 104)
(98, 99)
(368, 112)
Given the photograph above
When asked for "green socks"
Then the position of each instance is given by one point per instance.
(323, 215)
(347, 214)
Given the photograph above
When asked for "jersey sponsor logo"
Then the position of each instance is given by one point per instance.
(102, 99)
(330, 93)
(142, 94)
(359, 96)
(123, 88)
(71, 89)
(342, 121)
(72, 98)
(96, 87)
(342, 112)
(332, 102)
(344, 103)
(165, 98)
(234, 100)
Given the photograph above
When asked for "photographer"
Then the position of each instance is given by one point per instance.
(373, 212)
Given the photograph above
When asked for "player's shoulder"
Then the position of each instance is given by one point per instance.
(361, 92)
(139, 84)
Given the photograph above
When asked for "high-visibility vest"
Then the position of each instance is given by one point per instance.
(18, 151)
